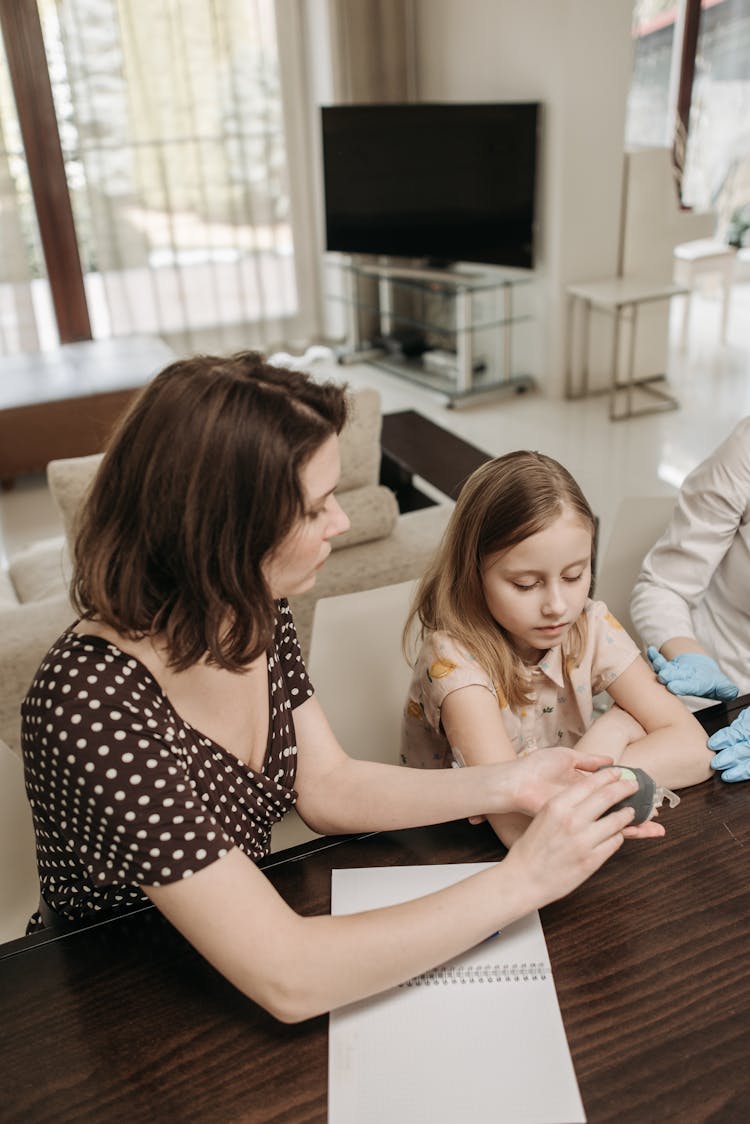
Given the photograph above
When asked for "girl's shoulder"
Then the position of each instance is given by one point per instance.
(605, 632)
(598, 615)
(444, 665)
(444, 658)
(437, 644)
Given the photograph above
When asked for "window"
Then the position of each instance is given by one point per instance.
(691, 91)
(173, 152)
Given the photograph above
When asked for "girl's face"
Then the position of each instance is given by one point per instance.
(537, 589)
(293, 566)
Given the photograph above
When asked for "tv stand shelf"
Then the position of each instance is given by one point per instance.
(450, 330)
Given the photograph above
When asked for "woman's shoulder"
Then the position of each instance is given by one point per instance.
(83, 672)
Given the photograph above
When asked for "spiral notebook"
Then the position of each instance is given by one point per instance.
(480, 1038)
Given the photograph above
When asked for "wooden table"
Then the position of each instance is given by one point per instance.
(651, 960)
(414, 445)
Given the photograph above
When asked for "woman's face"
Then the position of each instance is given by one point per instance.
(293, 565)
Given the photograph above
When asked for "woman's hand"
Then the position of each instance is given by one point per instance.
(571, 837)
(544, 773)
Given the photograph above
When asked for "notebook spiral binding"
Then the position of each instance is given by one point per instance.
(481, 973)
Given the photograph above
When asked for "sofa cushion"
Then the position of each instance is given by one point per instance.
(69, 479)
(8, 595)
(372, 511)
(40, 571)
(28, 631)
(359, 442)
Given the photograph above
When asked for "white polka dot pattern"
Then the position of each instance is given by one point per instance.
(124, 793)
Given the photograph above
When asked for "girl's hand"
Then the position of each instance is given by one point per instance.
(546, 772)
(612, 732)
(649, 829)
(572, 836)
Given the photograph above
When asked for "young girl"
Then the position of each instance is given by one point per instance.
(513, 649)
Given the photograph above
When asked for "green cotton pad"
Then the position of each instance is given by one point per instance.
(642, 802)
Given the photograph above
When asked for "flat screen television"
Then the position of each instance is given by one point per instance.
(445, 182)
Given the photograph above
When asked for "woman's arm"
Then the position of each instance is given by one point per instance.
(338, 793)
(673, 750)
(297, 967)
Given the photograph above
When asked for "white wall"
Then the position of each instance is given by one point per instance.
(575, 56)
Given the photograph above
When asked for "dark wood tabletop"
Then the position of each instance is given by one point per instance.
(650, 957)
(413, 443)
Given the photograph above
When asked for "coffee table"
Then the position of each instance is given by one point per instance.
(415, 446)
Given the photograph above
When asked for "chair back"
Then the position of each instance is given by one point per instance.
(19, 883)
(360, 676)
(639, 522)
(358, 668)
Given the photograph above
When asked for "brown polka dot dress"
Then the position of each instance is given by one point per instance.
(124, 793)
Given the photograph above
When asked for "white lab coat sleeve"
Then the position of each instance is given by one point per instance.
(678, 570)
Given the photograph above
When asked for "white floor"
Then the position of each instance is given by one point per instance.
(639, 456)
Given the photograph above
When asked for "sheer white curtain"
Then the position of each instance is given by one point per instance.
(171, 124)
(170, 120)
(190, 135)
(21, 261)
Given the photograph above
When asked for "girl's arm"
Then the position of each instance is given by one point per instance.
(471, 720)
(472, 723)
(673, 750)
(611, 733)
(297, 967)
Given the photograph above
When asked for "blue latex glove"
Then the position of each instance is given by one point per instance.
(692, 674)
(733, 749)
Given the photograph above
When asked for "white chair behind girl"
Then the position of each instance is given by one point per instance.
(361, 678)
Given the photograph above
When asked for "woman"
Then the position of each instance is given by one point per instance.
(173, 724)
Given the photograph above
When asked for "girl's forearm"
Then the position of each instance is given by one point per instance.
(611, 734)
(672, 759)
(510, 827)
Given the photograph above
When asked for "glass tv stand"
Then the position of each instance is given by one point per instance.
(449, 330)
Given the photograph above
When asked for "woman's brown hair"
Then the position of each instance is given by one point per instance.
(504, 502)
(200, 480)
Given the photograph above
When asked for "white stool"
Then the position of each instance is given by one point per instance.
(705, 255)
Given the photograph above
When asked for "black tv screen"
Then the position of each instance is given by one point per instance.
(442, 181)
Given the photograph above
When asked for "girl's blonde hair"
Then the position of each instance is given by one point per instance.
(501, 504)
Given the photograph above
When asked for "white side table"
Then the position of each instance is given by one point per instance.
(621, 297)
(704, 255)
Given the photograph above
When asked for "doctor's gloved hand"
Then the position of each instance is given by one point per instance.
(732, 745)
(692, 673)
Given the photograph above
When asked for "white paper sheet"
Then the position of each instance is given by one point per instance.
(480, 1039)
